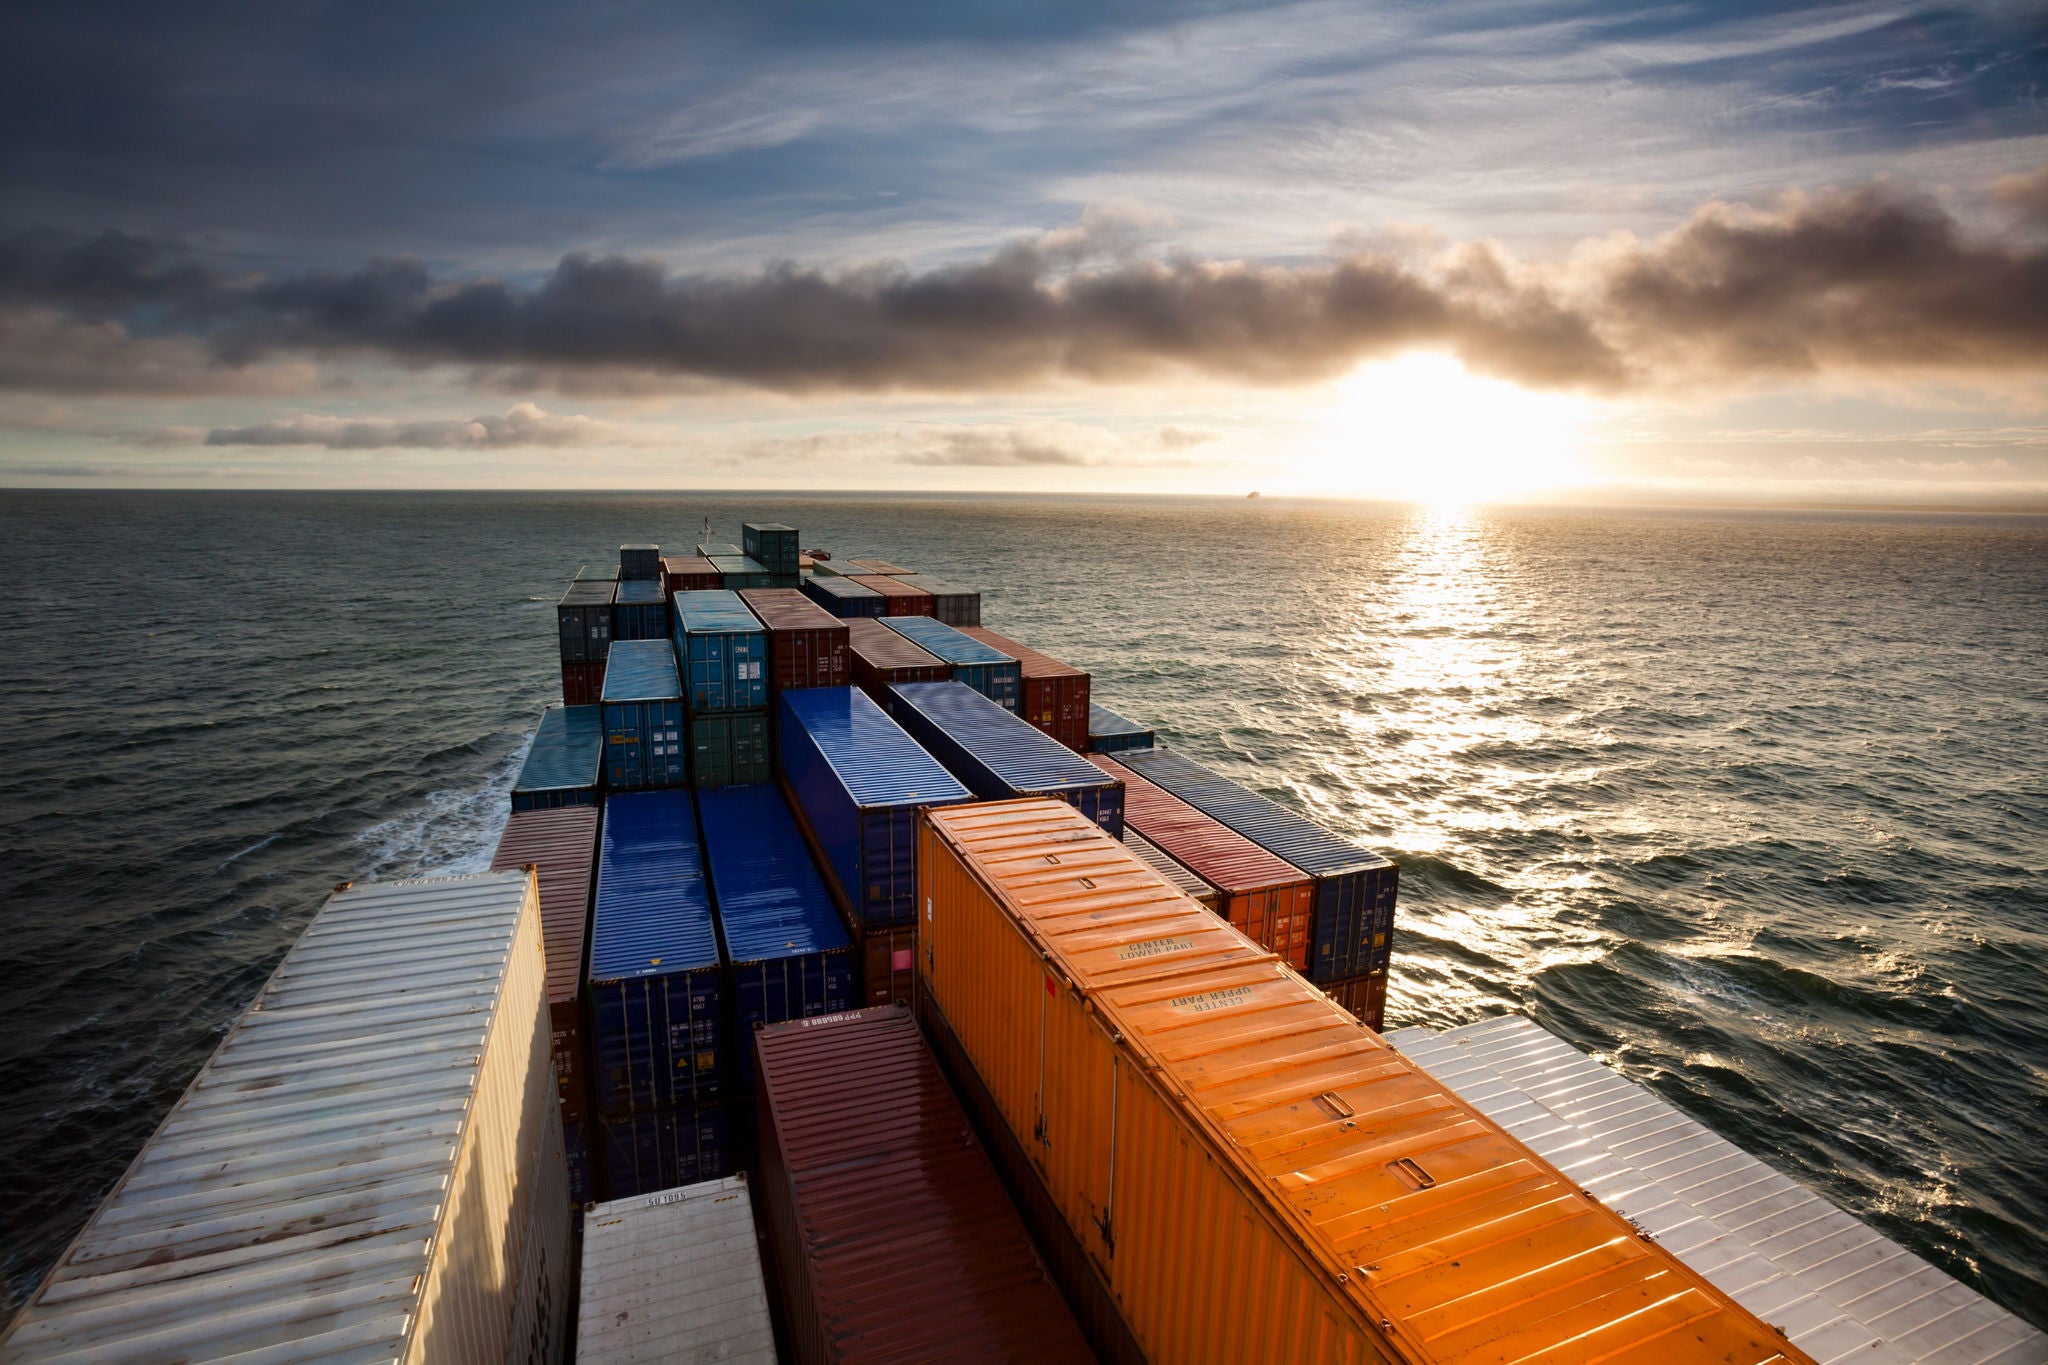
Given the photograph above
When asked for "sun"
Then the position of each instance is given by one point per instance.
(1424, 428)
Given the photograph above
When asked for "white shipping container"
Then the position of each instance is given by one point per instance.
(674, 1276)
(369, 1168)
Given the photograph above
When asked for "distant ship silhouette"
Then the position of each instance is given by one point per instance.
(1253, 494)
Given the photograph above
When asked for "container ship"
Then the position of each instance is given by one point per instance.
(850, 984)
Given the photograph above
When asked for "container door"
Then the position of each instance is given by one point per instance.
(1076, 1129)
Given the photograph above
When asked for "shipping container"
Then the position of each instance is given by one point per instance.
(674, 1276)
(1266, 897)
(898, 599)
(829, 569)
(1051, 695)
(654, 981)
(597, 573)
(660, 1149)
(643, 717)
(892, 1234)
(640, 610)
(564, 765)
(1110, 733)
(988, 671)
(845, 598)
(579, 1153)
(723, 651)
(888, 966)
(786, 952)
(806, 643)
(737, 571)
(1184, 881)
(954, 605)
(582, 684)
(584, 618)
(1355, 890)
(997, 756)
(1246, 1171)
(720, 552)
(878, 566)
(639, 563)
(689, 573)
(770, 544)
(369, 1167)
(730, 749)
(1364, 996)
(882, 656)
(858, 781)
(561, 846)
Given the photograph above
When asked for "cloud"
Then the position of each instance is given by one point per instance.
(1184, 438)
(44, 351)
(986, 445)
(525, 425)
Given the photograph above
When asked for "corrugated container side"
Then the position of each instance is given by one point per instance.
(1053, 696)
(997, 755)
(1110, 733)
(1270, 901)
(885, 972)
(689, 573)
(723, 651)
(654, 982)
(845, 598)
(806, 644)
(639, 563)
(730, 749)
(898, 597)
(1254, 1175)
(659, 1149)
(956, 606)
(674, 1276)
(561, 845)
(893, 1235)
(582, 684)
(772, 544)
(640, 610)
(988, 671)
(584, 619)
(643, 717)
(858, 781)
(1355, 890)
(881, 656)
(564, 765)
(1186, 882)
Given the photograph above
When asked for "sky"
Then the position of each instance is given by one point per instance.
(1540, 250)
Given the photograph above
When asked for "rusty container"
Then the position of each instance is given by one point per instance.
(806, 643)
(1270, 900)
(1247, 1172)
(898, 599)
(689, 573)
(893, 1237)
(882, 656)
(1054, 696)
(582, 684)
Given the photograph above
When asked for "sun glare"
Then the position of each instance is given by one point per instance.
(1426, 429)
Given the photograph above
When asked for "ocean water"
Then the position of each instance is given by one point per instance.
(1752, 805)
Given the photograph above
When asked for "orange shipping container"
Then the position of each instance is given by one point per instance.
(1250, 1173)
(1054, 696)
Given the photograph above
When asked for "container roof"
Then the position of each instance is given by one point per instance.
(674, 1275)
(567, 752)
(653, 914)
(641, 592)
(1022, 755)
(1266, 823)
(879, 764)
(941, 639)
(562, 844)
(771, 901)
(641, 670)
(714, 610)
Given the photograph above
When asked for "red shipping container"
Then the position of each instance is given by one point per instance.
(888, 959)
(806, 643)
(561, 844)
(582, 684)
(1364, 996)
(903, 601)
(881, 656)
(1271, 901)
(894, 1238)
(686, 573)
(1055, 695)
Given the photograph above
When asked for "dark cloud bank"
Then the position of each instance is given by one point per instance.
(1877, 279)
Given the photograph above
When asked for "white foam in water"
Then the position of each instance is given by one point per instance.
(450, 833)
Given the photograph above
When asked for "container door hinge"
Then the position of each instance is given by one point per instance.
(1108, 1238)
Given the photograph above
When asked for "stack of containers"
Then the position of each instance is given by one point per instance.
(639, 563)
(787, 954)
(640, 610)
(997, 756)
(826, 568)
(987, 670)
(1231, 1167)
(1176, 876)
(954, 606)
(688, 573)
(643, 717)
(721, 552)
(723, 651)
(855, 782)
(894, 1237)
(657, 1039)
(368, 1168)
(1353, 939)
(560, 845)
(881, 656)
(565, 764)
(898, 599)
(738, 571)
(1269, 900)
(1110, 733)
(806, 644)
(1053, 696)
(877, 566)
(584, 619)
(773, 546)
(843, 597)
(674, 1276)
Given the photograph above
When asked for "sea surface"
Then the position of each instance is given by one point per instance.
(1754, 806)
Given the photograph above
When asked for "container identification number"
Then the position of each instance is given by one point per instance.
(1152, 947)
(1209, 1001)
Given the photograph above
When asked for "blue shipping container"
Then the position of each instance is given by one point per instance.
(788, 954)
(640, 611)
(565, 764)
(845, 598)
(643, 717)
(584, 618)
(666, 1148)
(982, 667)
(858, 781)
(723, 652)
(639, 563)
(1110, 733)
(655, 998)
(1000, 756)
(1353, 934)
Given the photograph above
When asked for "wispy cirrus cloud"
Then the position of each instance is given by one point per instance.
(525, 425)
